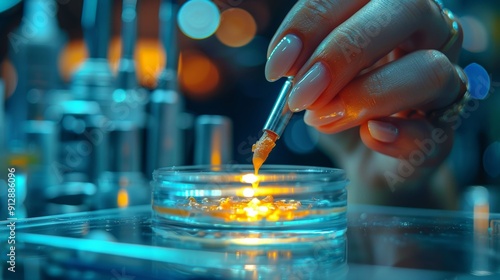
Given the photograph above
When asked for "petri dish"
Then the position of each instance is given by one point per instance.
(295, 219)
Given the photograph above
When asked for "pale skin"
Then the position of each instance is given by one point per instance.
(381, 70)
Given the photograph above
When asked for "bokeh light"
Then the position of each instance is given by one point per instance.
(149, 58)
(150, 61)
(198, 76)
(248, 192)
(122, 198)
(299, 138)
(9, 76)
(476, 38)
(491, 160)
(198, 19)
(237, 27)
(72, 55)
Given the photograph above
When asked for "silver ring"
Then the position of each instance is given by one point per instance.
(454, 27)
(448, 113)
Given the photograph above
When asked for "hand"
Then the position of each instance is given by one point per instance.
(379, 65)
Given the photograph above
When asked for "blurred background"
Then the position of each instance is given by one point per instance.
(96, 94)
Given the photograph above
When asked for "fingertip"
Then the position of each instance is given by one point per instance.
(370, 141)
(282, 57)
(418, 140)
(383, 131)
(270, 79)
(392, 149)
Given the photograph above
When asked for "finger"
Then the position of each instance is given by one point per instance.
(419, 142)
(302, 30)
(450, 45)
(454, 52)
(423, 80)
(364, 38)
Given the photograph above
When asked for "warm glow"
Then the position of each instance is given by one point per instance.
(252, 241)
(248, 192)
(216, 153)
(249, 178)
(9, 76)
(481, 217)
(247, 210)
(264, 191)
(272, 255)
(250, 267)
(71, 57)
(237, 27)
(149, 58)
(199, 76)
(480, 198)
(19, 160)
(122, 200)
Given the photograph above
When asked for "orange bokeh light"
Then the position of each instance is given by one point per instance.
(122, 199)
(149, 58)
(237, 27)
(199, 76)
(9, 75)
(73, 54)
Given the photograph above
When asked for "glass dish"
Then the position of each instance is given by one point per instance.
(295, 214)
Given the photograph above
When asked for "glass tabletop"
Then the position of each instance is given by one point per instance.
(380, 243)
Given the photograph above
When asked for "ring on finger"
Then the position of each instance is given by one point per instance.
(450, 19)
(447, 113)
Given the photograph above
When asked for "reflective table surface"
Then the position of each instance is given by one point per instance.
(381, 243)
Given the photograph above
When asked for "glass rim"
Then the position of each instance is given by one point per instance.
(268, 172)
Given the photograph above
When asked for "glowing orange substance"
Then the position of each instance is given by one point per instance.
(234, 209)
(250, 209)
(262, 149)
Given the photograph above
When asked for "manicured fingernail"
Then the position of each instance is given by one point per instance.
(283, 57)
(382, 131)
(332, 112)
(309, 88)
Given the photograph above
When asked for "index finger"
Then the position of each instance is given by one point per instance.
(307, 23)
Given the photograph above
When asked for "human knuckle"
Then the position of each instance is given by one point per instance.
(321, 8)
(351, 42)
(439, 69)
(377, 83)
(418, 8)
